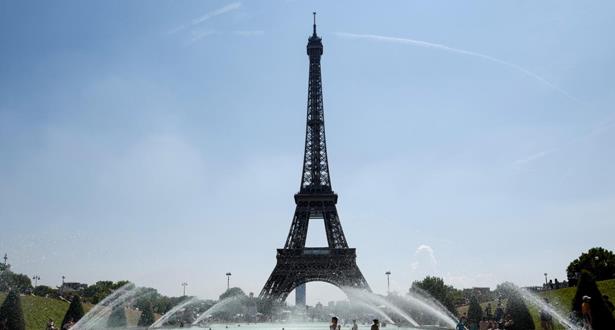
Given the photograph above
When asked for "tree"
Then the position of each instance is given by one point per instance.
(13, 281)
(44, 291)
(11, 315)
(74, 312)
(475, 313)
(601, 316)
(147, 314)
(520, 314)
(436, 288)
(232, 292)
(598, 261)
(117, 319)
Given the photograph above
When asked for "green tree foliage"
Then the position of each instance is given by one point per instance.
(475, 313)
(44, 291)
(520, 314)
(11, 315)
(447, 295)
(602, 317)
(13, 281)
(117, 319)
(598, 261)
(147, 314)
(74, 312)
(98, 291)
(435, 287)
(232, 292)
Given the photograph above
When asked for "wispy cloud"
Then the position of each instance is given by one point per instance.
(217, 12)
(602, 126)
(426, 44)
(533, 157)
(249, 33)
(197, 35)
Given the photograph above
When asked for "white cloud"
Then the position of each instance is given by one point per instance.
(425, 262)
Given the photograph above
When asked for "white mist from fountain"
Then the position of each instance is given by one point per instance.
(376, 300)
(425, 302)
(100, 313)
(216, 308)
(172, 312)
(374, 309)
(544, 306)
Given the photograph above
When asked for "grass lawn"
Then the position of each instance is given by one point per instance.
(561, 299)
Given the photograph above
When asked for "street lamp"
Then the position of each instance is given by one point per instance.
(388, 274)
(36, 278)
(546, 282)
(184, 284)
(228, 280)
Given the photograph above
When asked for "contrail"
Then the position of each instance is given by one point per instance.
(426, 44)
(217, 12)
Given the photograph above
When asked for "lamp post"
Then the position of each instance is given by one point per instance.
(228, 280)
(36, 278)
(184, 284)
(62, 287)
(388, 274)
(546, 282)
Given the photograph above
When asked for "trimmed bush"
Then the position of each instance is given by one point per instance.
(117, 319)
(601, 316)
(520, 314)
(11, 315)
(74, 312)
(147, 315)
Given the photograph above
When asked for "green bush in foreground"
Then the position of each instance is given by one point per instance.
(11, 315)
(74, 312)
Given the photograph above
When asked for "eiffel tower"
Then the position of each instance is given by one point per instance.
(296, 264)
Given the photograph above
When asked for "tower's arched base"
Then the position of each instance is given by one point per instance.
(297, 266)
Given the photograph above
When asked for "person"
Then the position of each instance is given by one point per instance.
(608, 303)
(69, 324)
(483, 324)
(334, 325)
(462, 323)
(499, 312)
(556, 284)
(355, 326)
(51, 325)
(586, 312)
(546, 321)
(550, 284)
(508, 322)
(375, 325)
(488, 313)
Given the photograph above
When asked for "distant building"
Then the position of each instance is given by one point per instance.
(72, 287)
(300, 295)
(482, 294)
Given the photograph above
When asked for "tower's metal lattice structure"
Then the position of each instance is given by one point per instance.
(296, 264)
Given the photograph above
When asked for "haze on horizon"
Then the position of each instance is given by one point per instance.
(162, 142)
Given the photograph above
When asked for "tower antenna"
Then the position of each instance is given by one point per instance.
(314, 13)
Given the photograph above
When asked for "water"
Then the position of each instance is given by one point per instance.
(542, 305)
(396, 313)
(287, 326)
(97, 317)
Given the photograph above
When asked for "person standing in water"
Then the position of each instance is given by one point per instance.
(354, 325)
(334, 325)
(375, 325)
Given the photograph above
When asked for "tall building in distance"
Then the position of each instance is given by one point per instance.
(300, 295)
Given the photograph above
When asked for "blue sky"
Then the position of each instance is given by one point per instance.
(161, 142)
